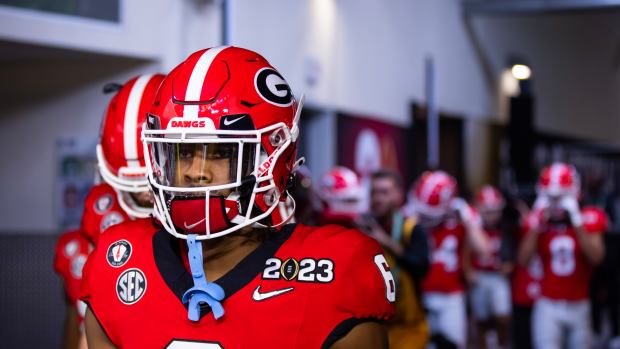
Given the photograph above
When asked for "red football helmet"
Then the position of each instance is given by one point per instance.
(433, 193)
(558, 179)
(489, 199)
(341, 191)
(120, 154)
(220, 143)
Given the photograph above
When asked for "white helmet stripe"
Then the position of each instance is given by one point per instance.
(429, 186)
(197, 79)
(130, 132)
(488, 195)
(555, 173)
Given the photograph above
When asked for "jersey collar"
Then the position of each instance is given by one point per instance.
(167, 255)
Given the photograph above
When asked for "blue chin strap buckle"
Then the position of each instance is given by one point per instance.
(203, 291)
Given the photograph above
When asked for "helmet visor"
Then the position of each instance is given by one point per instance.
(210, 166)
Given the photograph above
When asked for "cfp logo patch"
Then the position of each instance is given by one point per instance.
(272, 87)
(131, 286)
(118, 253)
(306, 270)
(103, 203)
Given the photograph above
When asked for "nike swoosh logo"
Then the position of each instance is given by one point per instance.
(229, 122)
(193, 225)
(258, 296)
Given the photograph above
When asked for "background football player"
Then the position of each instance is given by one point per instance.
(452, 226)
(569, 243)
(123, 196)
(220, 145)
(341, 192)
(490, 290)
(72, 249)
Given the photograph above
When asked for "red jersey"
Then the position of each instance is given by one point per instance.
(491, 262)
(304, 287)
(445, 272)
(72, 249)
(101, 211)
(526, 280)
(566, 271)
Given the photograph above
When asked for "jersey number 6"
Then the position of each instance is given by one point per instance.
(388, 278)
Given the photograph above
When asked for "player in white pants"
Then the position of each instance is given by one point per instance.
(554, 322)
(451, 225)
(489, 288)
(446, 315)
(569, 243)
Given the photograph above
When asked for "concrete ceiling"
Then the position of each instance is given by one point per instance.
(30, 73)
(511, 7)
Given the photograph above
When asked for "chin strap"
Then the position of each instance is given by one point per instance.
(203, 291)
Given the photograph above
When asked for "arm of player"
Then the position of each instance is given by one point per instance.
(83, 344)
(372, 228)
(95, 336)
(527, 249)
(508, 248)
(367, 335)
(532, 226)
(594, 223)
(588, 226)
(468, 270)
(366, 296)
(71, 332)
(476, 238)
(592, 246)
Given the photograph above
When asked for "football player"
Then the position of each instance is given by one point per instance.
(72, 249)
(569, 242)
(217, 271)
(122, 197)
(341, 193)
(525, 289)
(490, 291)
(452, 225)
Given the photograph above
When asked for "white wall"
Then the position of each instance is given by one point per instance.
(28, 137)
(164, 30)
(371, 52)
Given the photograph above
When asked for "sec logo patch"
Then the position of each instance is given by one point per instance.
(118, 253)
(131, 286)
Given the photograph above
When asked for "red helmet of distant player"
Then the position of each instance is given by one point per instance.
(490, 203)
(558, 179)
(223, 106)
(489, 198)
(120, 153)
(433, 193)
(341, 191)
